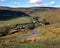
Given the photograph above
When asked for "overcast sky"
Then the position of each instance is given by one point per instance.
(30, 3)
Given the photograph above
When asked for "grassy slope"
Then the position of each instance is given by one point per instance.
(15, 21)
(50, 38)
(53, 16)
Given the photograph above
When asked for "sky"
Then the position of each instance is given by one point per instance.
(30, 3)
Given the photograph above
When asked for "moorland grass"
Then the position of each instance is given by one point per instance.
(45, 43)
(48, 39)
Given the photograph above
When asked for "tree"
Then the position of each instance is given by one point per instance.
(31, 26)
(46, 22)
(4, 31)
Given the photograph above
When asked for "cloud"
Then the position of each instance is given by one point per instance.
(2, 0)
(52, 3)
(42, 5)
(15, 3)
(35, 1)
(45, 4)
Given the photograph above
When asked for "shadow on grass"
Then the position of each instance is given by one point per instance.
(9, 14)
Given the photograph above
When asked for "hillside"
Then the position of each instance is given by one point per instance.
(9, 14)
(52, 16)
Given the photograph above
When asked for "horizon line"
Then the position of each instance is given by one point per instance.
(31, 7)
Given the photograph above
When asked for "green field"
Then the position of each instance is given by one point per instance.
(15, 21)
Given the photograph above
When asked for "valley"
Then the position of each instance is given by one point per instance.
(34, 27)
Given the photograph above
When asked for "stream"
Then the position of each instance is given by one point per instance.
(34, 34)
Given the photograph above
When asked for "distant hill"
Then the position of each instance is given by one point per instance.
(7, 13)
(28, 10)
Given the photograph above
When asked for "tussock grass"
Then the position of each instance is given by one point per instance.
(49, 38)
